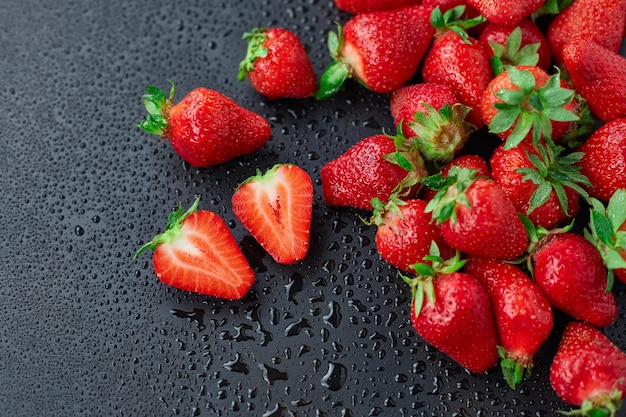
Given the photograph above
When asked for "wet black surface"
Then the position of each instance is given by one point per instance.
(88, 331)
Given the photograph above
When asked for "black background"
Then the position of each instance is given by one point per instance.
(88, 331)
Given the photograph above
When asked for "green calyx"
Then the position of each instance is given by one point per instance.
(172, 228)
(451, 190)
(553, 171)
(256, 38)
(453, 19)
(337, 72)
(530, 108)
(512, 52)
(157, 105)
(440, 134)
(604, 233)
(513, 371)
(551, 7)
(414, 165)
(422, 285)
(606, 405)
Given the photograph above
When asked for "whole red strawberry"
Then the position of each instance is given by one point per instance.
(432, 120)
(519, 44)
(405, 233)
(368, 170)
(522, 314)
(506, 12)
(277, 64)
(599, 75)
(600, 21)
(571, 273)
(607, 231)
(206, 127)
(276, 207)
(604, 159)
(525, 102)
(451, 310)
(475, 216)
(410, 99)
(543, 182)
(458, 60)
(589, 371)
(381, 50)
(198, 253)
(366, 6)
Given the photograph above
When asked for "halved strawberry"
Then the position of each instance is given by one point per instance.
(198, 253)
(276, 208)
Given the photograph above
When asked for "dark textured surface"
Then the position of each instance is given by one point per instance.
(88, 331)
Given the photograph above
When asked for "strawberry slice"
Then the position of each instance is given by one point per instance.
(198, 253)
(276, 208)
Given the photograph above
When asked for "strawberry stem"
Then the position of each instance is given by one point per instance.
(157, 105)
(256, 37)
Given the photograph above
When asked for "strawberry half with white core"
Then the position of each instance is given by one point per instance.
(276, 208)
(381, 50)
(451, 310)
(206, 127)
(607, 231)
(198, 253)
(589, 371)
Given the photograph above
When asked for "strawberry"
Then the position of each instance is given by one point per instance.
(607, 231)
(366, 6)
(458, 60)
(405, 232)
(589, 371)
(522, 314)
(599, 75)
(432, 120)
(541, 181)
(381, 50)
(198, 253)
(276, 208)
(570, 272)
(475, 216)
(601, 21)
(604, 159)
(521, 44)
(368, 169)
(277, 64)
(525, 102)
(506, 12)
(206, 127)
(451, 311)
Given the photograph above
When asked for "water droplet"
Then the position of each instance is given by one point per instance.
(335, 376)
(79, 231)
(333, 317)
(271, 375)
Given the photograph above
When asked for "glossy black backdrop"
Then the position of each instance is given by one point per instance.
(88, 331)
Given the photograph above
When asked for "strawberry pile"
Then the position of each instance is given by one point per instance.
(486, 246)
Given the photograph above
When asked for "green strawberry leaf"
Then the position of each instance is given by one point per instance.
(255, 38)
(602, 227)
(616, 209)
